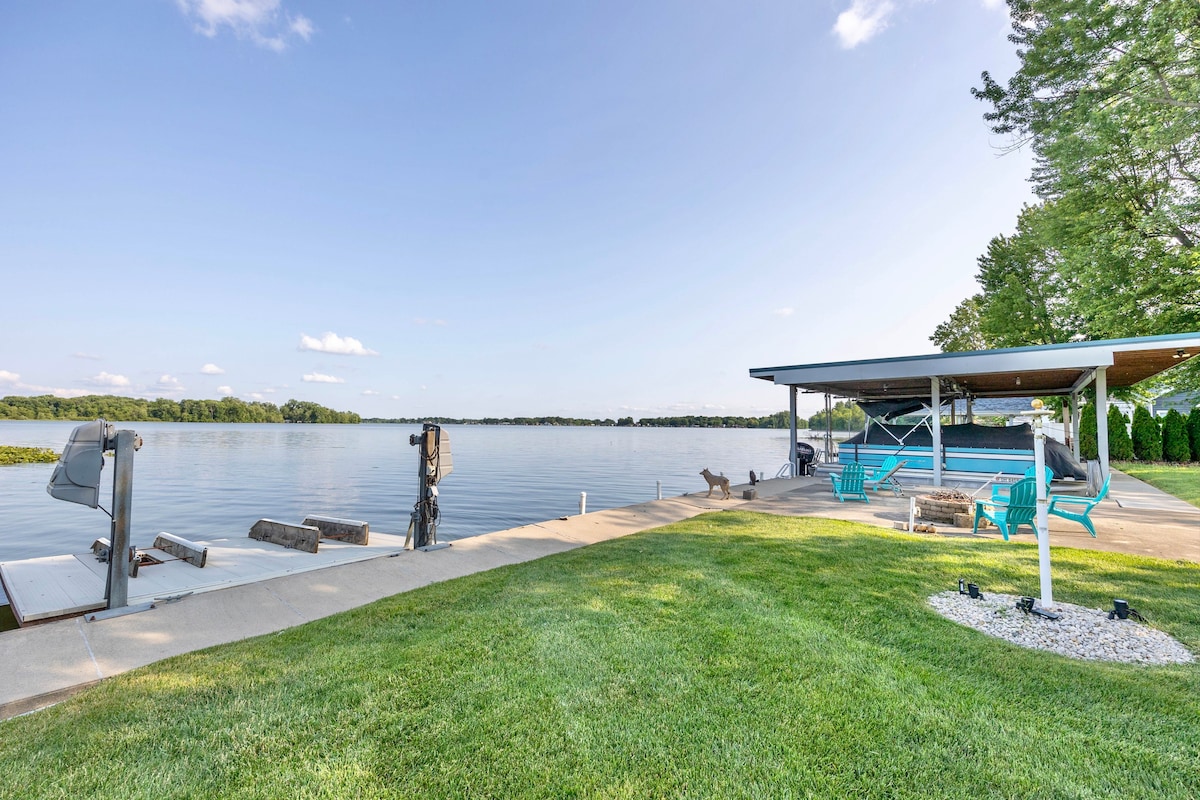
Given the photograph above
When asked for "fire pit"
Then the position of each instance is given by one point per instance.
(942, 505)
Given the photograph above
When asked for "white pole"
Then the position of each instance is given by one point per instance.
(1043, 517)
(912, 514)
(659, 489)
(1102, 420)
(935, 401)
(795, 429)
(583, 502)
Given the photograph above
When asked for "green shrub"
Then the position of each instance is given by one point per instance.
(1193, 426)
(1120, 446)
(1147, 438)
(1175, 438)
(1089, 449)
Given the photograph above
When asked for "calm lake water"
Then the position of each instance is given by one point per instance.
(204, 481)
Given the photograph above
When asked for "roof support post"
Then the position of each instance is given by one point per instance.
(1076, 417)
(830, 454)
(935, 401)
(1102, 419)
(792, 390)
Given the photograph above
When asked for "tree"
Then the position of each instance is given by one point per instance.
(1120, 446)
(1176, 447)
(1107, 95)
(1193, 427)
(1147, 438)
(1089, 448)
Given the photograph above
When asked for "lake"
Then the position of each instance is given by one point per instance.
(204, 481)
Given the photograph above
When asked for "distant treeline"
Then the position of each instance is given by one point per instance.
(778, 420)
(133, 409)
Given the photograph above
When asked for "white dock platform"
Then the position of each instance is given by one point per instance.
(60, 586)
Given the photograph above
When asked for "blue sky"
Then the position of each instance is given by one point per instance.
(591, 209)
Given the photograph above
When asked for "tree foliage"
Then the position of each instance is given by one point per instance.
(1147, 437)
(1176, 447)
(134, 409)
(1193, 429)
(1120, 445)
(1107, 95)
(1089, 432)
(847, 416)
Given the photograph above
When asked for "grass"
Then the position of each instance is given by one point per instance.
(732, 655)
(1181, 480)
(10, 454)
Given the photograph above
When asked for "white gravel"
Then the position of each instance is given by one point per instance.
(1085, 633)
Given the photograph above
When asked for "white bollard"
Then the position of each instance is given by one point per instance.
(583, 502)
(912, 513)
(659, 489)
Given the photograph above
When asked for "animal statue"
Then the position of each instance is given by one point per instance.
(715, 481)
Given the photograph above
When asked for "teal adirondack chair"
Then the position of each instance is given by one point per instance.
(884, 476)
(1019, 509)
(850, 482)
(1000, 490)
(1078, 509)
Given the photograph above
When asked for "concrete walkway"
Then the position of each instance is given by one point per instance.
(46, 663)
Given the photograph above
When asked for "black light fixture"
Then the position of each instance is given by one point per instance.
(1181, 353)
(1121, 610)
(1025, 604)
(974, 592)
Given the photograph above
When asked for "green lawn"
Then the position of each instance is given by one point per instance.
(1181, 480)
(732, 655)
(10, 454)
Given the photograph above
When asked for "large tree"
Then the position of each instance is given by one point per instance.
(1108, 97)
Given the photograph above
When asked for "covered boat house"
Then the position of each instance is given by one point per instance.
(886, 387)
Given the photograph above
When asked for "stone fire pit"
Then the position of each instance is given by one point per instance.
(942, 506)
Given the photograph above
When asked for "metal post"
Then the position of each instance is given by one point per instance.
(830, 455)
(659, 489)
(117, 590)
(583, 502)
(935, 402)
(1102, 420)
(1076, 414)
(792, 455)
(1043, 517)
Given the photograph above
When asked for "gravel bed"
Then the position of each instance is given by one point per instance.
(1085, 633)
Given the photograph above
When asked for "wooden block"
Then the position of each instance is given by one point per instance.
(181, 548)
(900, 526)
(297, 537)
(343, 530)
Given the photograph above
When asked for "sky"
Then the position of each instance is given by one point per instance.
(584, 209)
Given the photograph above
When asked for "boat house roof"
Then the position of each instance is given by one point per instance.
(1054, 369)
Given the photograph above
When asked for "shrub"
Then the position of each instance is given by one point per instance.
(1088, 447)
(1193, 426)
(1147, 438)
(1120, 446)
(1175, 438)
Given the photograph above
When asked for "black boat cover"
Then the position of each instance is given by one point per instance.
(1014, 437)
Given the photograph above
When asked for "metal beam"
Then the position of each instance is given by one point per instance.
(935, 395)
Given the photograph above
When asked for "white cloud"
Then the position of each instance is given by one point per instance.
(168, 384)
(14, 380)
(993, 4)
(864, 20)
(424, 321)
(263, 22)
(112, 381)
(784, 312)
(225, 390)
(212, 369)
(338, 345)
(87, 356)
(316, 377)
(252, 395)
(370, 392)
